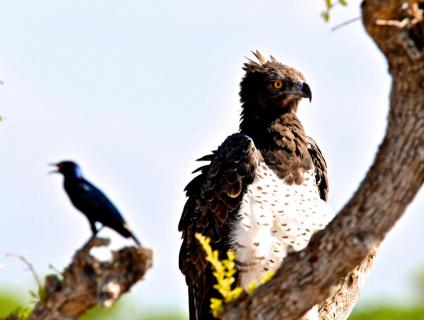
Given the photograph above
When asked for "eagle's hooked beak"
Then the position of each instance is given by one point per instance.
(301, 89)
(306, 90)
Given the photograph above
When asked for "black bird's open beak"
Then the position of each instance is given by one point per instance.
(53, 165)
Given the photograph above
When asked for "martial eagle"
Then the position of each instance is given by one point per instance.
(262, 193)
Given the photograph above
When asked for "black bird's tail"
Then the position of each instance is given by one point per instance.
(135, 239)
(126, 232)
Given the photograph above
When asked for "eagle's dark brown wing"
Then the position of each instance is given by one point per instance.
(320, 167)
(214, 197)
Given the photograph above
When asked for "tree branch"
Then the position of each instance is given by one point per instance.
(346, 247)
(340, 303)
(88, 282)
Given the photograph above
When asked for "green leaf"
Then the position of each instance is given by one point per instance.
(326, 16)
(329, 3)
(343, 2)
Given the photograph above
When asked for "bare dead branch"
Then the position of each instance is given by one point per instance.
(28, 264)
(345, 23)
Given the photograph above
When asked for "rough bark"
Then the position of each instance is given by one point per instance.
(331, 268)
(343, 297)
(88, 282)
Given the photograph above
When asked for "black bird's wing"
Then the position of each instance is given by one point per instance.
(214, 197)
(320, 167)
(97, 207)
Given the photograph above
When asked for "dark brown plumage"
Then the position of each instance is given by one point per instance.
(270, 132)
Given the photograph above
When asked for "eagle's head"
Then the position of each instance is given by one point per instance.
(272, 87)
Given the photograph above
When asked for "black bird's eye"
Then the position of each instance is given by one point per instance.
(278, 84)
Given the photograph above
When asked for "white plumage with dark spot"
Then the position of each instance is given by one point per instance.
(274, 219)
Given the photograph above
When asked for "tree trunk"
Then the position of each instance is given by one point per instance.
(333, 265)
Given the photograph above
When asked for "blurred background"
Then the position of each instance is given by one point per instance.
(135, 91)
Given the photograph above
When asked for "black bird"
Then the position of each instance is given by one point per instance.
(92, 202)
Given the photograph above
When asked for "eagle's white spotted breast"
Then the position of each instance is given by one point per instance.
(274, 219)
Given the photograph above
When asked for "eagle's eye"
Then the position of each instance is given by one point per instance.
(278, 84)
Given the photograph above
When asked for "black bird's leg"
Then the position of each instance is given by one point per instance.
(93, 228)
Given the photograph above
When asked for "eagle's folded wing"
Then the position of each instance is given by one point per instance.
(214, 196)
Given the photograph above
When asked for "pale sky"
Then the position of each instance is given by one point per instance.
(135, 91)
